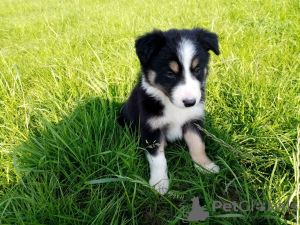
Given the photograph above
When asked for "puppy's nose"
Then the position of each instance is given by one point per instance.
(189, 102)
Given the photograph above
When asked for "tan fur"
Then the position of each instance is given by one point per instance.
(196, 148)
(151, 77)
(174, 66)
(195, 63)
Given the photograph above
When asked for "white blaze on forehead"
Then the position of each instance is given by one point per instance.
(186, 52)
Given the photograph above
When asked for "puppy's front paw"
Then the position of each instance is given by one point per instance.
(161, 184)
(210, 168)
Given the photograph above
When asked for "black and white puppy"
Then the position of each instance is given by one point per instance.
(168, 101)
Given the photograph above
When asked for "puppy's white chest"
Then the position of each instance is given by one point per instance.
(174, 118)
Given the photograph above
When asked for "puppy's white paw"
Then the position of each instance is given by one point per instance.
(210, 168)
(161, 184)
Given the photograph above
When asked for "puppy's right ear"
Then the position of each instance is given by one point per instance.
(148, 45)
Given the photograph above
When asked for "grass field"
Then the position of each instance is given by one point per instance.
(66, 68)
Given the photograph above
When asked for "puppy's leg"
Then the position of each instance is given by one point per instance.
(193, 138)
(158, 163)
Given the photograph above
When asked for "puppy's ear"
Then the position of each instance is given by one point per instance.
(149, 44)
(209, 40)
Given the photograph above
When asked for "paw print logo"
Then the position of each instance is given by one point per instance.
(260, 206)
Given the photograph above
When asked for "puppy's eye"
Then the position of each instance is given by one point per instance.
(197, 70)
(170, 74)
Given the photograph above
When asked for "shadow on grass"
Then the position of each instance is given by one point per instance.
(56, 163)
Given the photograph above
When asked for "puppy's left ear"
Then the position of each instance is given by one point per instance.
(209, 40)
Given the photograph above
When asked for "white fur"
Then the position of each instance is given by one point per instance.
(173, 116)
(190, 89)
(186, 52)
(158, 172)
(211, 168)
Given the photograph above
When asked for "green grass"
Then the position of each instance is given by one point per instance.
(66, 67)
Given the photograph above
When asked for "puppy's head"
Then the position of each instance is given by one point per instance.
(175, 63)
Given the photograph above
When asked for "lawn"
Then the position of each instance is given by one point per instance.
(66, 68)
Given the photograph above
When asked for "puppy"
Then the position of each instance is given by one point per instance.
(168, 101)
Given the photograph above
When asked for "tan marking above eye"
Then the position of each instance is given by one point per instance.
(195, 63)
(151, 76)
(174, 66)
